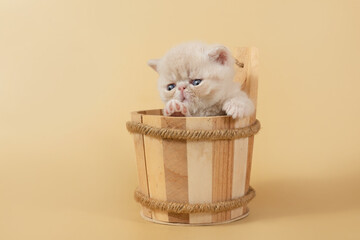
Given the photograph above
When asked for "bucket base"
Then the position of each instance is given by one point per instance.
(195, 224)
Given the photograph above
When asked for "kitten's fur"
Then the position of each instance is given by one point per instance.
(216, 94)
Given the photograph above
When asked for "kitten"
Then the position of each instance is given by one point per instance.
(196, 79)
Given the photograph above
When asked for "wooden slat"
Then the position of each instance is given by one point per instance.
(249, 161)
(240, 167)
(199, 163)
(141, 163)
(175, 162)
(153, 112)
(248, 77)
(242, 55)
(155, 166)
(251, 87)
(251, 84)
(223, 154)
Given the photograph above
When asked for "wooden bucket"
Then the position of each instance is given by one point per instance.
(197, 172)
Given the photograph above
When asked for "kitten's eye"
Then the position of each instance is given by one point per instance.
(196, 82)
(171, 87)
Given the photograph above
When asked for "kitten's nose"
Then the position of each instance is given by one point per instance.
(181, 88)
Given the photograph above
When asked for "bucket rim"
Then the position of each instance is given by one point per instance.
(158, 112)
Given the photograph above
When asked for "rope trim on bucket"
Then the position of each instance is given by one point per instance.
(177, 207)
(194, 135)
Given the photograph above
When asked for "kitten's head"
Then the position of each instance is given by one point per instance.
(195, 73)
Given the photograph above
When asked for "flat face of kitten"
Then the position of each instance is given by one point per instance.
(196, 74)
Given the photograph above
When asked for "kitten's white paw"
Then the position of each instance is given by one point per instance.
(239, 107)
(173, 107)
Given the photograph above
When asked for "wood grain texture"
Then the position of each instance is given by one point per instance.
(175, 163)
(240, 166)
(199, 163)
(242, 55)
(249, 161)
(252, 91)
(155, 166)
(153, 112)
(248, 78)
(223, 155)
(141, 163)
(248, 75)
(251, 84)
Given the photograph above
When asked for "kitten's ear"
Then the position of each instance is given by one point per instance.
(153, 63)
(219, 54)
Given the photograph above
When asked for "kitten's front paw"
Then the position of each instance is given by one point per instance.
(175, 108)
(239, 107)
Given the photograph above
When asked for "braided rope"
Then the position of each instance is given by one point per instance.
(177, 207)
(193, 135)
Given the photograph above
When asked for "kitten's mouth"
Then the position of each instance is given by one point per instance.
(183, 98)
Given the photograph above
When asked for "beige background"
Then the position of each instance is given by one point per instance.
(71, 71)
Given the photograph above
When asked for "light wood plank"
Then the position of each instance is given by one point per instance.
(175, 162)
(248, 77)
(242, 55)
(153, 112)
(199, 163)
(141, 163)
(223, 154)
(252, 91)
(155, 166)
(240, 167)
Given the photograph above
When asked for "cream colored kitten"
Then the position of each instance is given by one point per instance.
(196, 79)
